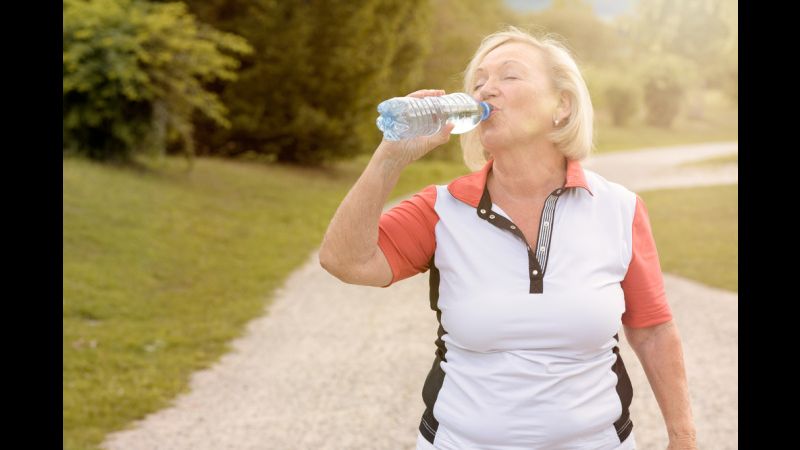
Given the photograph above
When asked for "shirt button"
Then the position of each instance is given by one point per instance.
(558, 191)
(491, 216)
(546, 223)
(513, 227)
(483, 211)
(535, 272)
(541, 248)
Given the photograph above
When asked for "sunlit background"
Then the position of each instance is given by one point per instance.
(208, 143)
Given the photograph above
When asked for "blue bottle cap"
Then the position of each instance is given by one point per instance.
(487, 109)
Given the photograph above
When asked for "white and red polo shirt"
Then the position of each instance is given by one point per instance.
(527, 351)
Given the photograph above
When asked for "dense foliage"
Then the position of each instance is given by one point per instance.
(134, 72)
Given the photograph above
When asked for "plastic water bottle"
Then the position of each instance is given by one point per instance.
(409, 117)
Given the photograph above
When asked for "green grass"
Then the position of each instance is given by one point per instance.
(612, 139)
(715, 161)
(162, 268)
(721, 123)
(696, 232)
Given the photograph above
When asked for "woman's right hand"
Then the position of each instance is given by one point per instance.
(406, 151)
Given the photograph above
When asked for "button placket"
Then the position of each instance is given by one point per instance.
(536, 262)
(545, 228)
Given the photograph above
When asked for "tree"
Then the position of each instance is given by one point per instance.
(133, 72)
(664, 89)
(591, 40)
(703, 32)
(458, 27)
(693, 29)
(308, 93)
(700, 35)
(622, 101)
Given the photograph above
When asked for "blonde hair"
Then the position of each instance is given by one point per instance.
(575, 138)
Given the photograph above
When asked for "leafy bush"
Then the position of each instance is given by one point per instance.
(622, 99)
(133, 72)
(664, 85)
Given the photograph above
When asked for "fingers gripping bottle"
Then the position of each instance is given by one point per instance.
(409, 117)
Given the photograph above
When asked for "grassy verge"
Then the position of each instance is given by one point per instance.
(611, 139)
(163, 268)
(715, 161)
(696, 232)
(720, 122)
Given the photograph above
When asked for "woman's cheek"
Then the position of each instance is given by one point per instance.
(530, 126)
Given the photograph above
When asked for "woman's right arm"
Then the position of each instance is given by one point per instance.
(350, 249)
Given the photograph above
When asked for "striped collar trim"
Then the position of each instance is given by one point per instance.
(469, 188)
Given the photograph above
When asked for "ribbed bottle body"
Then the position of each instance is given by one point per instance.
(408, 117)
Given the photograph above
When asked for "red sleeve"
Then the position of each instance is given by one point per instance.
(645, 299)
(406, 234)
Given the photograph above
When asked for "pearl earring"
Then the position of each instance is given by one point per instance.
(555, 121)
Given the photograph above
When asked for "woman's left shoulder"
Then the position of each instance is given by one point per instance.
(607, 190)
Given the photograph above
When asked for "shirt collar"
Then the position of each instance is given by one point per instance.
(470, 188)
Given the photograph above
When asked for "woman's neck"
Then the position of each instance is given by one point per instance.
(528, 173)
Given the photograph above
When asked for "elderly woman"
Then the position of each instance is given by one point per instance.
(534, 264)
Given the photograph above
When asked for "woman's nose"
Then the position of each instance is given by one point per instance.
(487, 91)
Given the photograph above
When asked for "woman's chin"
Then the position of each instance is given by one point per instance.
(491, 139)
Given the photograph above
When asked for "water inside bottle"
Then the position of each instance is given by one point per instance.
(464, 121)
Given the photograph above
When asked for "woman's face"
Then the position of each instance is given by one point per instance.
(514, 80)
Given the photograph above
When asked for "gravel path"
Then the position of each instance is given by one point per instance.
(337, 366)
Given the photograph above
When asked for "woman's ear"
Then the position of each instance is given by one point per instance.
(564, 108)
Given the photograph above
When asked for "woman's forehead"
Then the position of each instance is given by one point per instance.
(511, 53)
